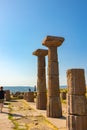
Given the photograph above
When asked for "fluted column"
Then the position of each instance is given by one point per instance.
(54, 108)
(41, 100)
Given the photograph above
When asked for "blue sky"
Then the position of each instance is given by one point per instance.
(23, 26)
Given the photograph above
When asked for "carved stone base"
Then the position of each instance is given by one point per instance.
(54, 108)
(41, 101)
(76, 122)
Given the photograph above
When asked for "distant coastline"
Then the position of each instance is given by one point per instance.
(14, 89)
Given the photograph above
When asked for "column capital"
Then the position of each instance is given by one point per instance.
(52, 41)
(40, 52)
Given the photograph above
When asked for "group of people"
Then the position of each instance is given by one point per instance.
(2, 96)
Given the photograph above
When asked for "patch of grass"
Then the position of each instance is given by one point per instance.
(10, 117)
(63, 101)
(64, 90)
(26, 104)
(16, 125)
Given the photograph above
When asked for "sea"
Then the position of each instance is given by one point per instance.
(14, 89)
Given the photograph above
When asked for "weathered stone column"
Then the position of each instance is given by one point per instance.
(54, 108)
(7, 95)
(76, 104)
(41, 100)
(29, 96)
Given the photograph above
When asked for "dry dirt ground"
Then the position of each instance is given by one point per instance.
(26, 118)
(22, 115)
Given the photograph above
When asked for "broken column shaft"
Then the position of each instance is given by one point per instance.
(77, 112)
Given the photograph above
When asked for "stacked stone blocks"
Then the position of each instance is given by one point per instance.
(41, 99)
(54, 108)
(77, 114)
(29, 96)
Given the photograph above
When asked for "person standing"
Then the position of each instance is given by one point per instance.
(2, 96)
(35, 88)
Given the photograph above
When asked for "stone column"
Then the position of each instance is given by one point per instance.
(7, 95)
(54, 108)
(41, 100)
(77, 113)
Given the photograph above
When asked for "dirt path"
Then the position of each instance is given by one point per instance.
(21, 115)
(60, 123)
(26, 118)
(5, 123)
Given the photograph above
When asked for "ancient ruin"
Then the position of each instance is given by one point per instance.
(41, 99)
(29, 96)
(7, 95)
(54, 108)
(76, 106)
